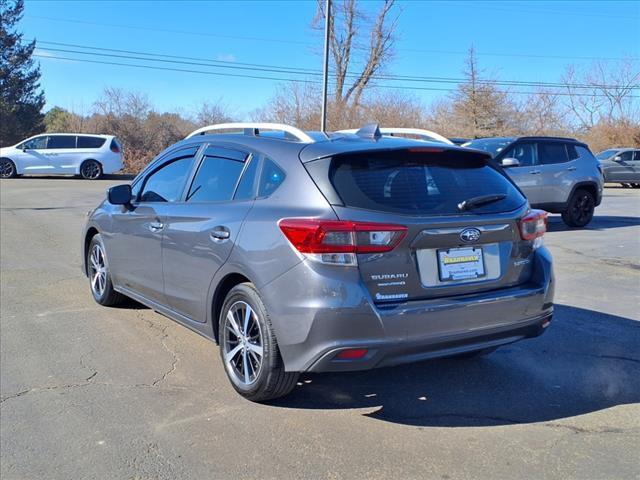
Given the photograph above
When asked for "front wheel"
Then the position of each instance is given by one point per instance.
(7, 169)
(99, 275)
(580, 209)
(90, 170)
(249, 349)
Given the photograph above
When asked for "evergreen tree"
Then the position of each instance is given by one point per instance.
(21, 99)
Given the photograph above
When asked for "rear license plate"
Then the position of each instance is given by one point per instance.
(460, 264)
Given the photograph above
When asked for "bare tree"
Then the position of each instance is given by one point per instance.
(478, 106)
(356, 62)
(603, 92)
(210, 113)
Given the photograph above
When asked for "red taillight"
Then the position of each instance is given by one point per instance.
(533, 225)
(115, 148)
(352, 354)
(335, 236)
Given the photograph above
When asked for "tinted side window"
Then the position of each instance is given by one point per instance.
(549, 153)
(572, 152)
(167, 183)
(61, 141)
(35, 143)
(636, 155)
(270, 178)
(626, 156)
(216, 180)
(524, 152)
(246, 187)
(90, 142)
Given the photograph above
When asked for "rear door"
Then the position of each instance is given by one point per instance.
(448, 250)
(201, 228)
(636, 167)
(558, 164)
(528, 174)
(62, 153)
(134, 245)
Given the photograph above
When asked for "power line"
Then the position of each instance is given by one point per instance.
(302, 71)
(299, 42)
(297, 80)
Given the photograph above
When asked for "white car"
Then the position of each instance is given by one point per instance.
(63, 154)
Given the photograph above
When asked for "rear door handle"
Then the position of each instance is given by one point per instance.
(571, 169)
(220, 233)
(156, 226)
(534, 172)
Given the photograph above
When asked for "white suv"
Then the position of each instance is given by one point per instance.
(63, 154)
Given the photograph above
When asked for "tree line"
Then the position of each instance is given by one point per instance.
(597, 103)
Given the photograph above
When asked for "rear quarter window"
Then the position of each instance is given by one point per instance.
(420, 183)
(91, 142)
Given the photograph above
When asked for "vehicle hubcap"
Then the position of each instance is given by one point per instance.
(243, 343)
(6, 169)
(98, 270)
(91, 170)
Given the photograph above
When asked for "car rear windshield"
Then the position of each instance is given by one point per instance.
(418, 183)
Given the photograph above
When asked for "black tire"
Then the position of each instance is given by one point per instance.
(7, 168)
(91, 170)
(269, 380)
(580, 209)
(101, 288)
(635, 185)
(476, 353)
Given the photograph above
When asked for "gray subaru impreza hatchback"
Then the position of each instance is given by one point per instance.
(305, 252)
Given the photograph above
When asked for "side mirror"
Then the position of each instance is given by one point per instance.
(617, 159)
(119, 195)
(509, 162)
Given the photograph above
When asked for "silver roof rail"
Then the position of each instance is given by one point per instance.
(391, 131)
(253, 128)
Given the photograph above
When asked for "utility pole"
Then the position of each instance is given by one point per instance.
(325, 80)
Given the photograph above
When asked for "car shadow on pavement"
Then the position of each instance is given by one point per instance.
(599, 222)
(587, 361)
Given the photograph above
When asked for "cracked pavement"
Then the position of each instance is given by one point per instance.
(97, 393)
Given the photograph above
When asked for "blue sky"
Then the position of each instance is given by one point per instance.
(528, 41)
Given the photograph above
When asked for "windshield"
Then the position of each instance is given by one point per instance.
(491, 145)
(606, 154)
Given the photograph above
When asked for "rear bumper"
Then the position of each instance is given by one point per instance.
(319, 311)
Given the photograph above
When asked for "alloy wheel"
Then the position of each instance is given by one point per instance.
(582, 208)
(98, 271)
(91, 170)
(6, 169)
(243, 345)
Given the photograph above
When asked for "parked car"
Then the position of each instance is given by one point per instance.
(559, 175)
(348, 252)
(63, 154)
(621, 165)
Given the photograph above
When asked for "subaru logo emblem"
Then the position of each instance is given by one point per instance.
(470, 235)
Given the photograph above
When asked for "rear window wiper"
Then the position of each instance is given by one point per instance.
(481, 200)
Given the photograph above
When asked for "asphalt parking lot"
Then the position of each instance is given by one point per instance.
(95, 393)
